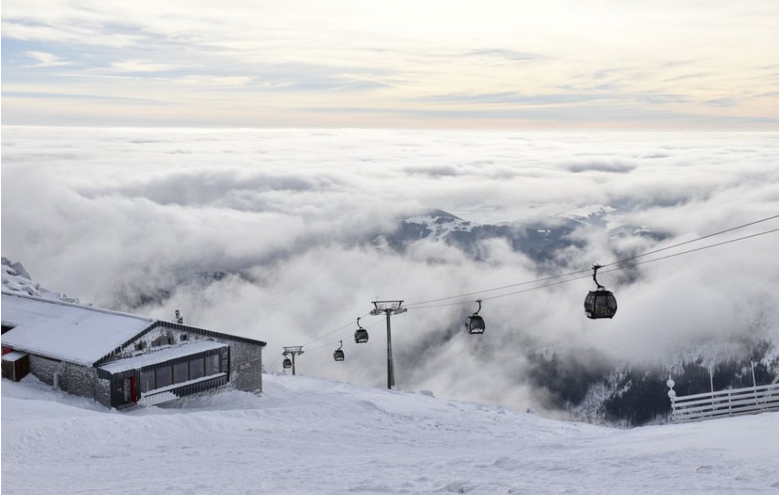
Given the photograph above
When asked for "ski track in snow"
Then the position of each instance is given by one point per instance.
(307, 435)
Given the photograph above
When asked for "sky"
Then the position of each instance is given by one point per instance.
(292, 216)
(537, 65)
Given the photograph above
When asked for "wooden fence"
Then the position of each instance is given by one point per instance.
(725, 403)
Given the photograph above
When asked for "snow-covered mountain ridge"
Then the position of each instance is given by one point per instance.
(539, 241)
(16, 280)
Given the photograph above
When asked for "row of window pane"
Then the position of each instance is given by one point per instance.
(165, 376)
(212, 365)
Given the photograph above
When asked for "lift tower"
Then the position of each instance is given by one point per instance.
(293, 352)
(390, 308)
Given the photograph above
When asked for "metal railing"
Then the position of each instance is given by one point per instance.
(189, 388)
(725, 403)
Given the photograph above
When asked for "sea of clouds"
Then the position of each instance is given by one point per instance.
(109, 214)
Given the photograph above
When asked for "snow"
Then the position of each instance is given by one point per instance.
(14, 356)
(158, 356)
(306, 435)
(173, 386)
(16, 280)
(585, 211)
(440, 226)
(64, 331)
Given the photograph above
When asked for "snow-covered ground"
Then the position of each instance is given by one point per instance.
(309, 435)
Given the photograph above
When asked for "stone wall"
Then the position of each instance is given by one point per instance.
(246, 366)
(44, 369)
(145, 341)
(74, 379)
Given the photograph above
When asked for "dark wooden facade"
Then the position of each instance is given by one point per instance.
(129, 387)
(15, 370)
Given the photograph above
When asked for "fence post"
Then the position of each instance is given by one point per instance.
(729, 389)
(672, 396)
(712, 390)
(753, 373)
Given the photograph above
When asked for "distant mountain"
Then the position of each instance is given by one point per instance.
(540, 242)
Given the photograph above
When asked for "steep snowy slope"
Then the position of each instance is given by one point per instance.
(17, 280)
(308, 435)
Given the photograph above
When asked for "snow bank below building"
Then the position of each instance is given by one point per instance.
(307, 435)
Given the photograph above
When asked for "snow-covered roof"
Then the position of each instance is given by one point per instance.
(14, 356)
(66, 331)
(160, 356)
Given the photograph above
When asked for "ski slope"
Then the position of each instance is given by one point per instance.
(307, 435)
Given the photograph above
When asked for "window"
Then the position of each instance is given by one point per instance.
(147, 380)
(140, 345)
(163, 377)
(212, 365)
(183, 338)
(162, 341)
(196, 368)
(224, 360)
(181, 372)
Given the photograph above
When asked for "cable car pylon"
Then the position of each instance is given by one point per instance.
(388, 307)
(291, 362)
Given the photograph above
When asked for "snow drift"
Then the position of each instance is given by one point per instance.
(312, 436)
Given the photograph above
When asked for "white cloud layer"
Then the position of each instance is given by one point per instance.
(45, 59)
(104, 214)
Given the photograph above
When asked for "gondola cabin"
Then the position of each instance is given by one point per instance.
(287, 363)
(600, 304)
(361, 335)
(474, 325)
(339, 355)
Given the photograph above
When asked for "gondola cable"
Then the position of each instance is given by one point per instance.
(422, 304)
(346, 338)
(333, 331)
(607, 271)
(573, 273)
(575, 279)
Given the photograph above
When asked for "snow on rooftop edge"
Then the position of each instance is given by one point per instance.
(66, 331)
(159, 356)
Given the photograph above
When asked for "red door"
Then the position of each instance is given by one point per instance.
(134, 395)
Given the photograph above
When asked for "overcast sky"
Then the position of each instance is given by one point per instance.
(556, 65)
